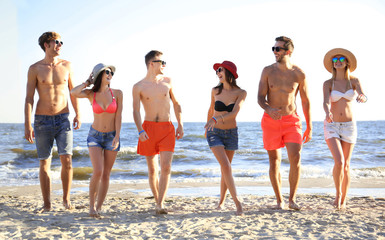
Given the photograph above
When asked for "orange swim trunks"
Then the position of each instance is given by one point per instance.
(278, 132)
(161, 138)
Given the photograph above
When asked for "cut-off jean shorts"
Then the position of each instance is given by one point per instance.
(49, 128)
(101, 139)
(223, 137)
(345, 131)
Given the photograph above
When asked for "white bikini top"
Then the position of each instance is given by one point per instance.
(337, 95)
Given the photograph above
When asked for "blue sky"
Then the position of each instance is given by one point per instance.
(193, 36)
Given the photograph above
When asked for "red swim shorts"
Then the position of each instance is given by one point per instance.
(278, 132)
(161, 138)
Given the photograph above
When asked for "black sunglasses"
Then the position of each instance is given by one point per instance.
(160, 61)
(57, 42)
(219, 70)
(108, 72)
(277, 49)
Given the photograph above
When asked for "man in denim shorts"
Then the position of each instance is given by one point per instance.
(52, 78)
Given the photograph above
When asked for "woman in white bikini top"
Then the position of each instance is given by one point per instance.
(339, 128)
(336, 95)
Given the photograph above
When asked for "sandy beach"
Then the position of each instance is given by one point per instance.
(128, 215)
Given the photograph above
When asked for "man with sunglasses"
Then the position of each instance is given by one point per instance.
(156, 134)
(281, 125)
(52, 78)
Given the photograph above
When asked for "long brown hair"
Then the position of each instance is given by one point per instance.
(98, 82)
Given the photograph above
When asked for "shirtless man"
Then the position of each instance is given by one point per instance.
(281, 126)
(52, 78)
(157, 133)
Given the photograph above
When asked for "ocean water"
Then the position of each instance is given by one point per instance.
(193, 161)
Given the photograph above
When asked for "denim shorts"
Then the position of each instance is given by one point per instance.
(50, 128)
(101, 139)
(345, 131)
(223, 137)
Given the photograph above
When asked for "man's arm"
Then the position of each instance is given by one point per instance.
(262, 93)
(136, 112)
(74, 101)
(30, 93)
(304, 93)
(178, 114)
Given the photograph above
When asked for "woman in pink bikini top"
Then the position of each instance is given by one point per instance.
(340, 129)
(103, 138)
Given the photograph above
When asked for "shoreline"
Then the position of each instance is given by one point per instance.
(244, 187)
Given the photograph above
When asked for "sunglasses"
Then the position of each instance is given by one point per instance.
(57, 42)
(160, 61)
(108, 72)
(277, 49)
(335, 59)
(219, 70)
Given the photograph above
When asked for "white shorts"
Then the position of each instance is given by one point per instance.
(345, 131)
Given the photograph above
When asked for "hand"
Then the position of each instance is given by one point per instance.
(179, 133)
(329, 117)
(29, 134)
(76, 123)
(307, 135)
(115, 142)
(362, 98)
(210, 125)
(274, 113)
(143, 136)
(90, 79)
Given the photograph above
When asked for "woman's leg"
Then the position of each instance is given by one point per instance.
(338, 170)
(223, 160)
(96, 155)
(109, 160)
(347, 150)
(230, 155)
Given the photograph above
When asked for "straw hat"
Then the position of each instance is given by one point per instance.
(99, 68)
(229, 66)
(352, 62)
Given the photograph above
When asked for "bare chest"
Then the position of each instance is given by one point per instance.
(52, 76)
(287, 82)
(155, 92)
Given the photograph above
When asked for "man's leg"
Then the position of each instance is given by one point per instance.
(294, 154)
(275, 175)
(152, 163)
(164, 179)
(45, 182)
(66, 178)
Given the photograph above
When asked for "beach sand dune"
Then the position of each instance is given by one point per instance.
(131, 216)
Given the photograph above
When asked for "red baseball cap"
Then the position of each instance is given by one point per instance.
(229, 66)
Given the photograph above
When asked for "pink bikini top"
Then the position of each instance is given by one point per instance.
(110, 109)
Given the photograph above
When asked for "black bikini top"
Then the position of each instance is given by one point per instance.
(221, 107)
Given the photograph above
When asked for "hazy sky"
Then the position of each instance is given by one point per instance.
(193, 35)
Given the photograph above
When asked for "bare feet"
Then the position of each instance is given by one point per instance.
(43, 209)
(219, 207)
(239, 211)
(94, 214)
(67, 205)
(294, 206)
(337, 203)
(161, 211)
(279, 206)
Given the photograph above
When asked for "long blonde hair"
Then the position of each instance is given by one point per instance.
(347, 73)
